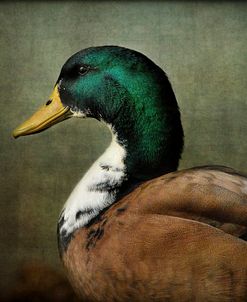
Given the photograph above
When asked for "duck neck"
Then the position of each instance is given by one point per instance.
(146, 142)
(97, 190)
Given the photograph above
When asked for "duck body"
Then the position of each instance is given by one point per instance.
(155, 265)
(158, 245)
(133, 229)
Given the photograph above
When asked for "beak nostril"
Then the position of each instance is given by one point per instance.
(48, 102)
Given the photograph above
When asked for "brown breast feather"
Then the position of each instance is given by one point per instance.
(164, 242)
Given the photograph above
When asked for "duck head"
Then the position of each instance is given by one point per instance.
(129, 93)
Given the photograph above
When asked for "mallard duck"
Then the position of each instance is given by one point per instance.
(134, 228)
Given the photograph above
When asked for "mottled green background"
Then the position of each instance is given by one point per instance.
(202, 47)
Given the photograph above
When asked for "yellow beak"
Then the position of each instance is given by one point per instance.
(49, 114)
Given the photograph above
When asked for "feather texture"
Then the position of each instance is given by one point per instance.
(158, 242)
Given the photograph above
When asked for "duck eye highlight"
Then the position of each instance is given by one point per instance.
(83, 69)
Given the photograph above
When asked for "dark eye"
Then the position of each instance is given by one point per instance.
(83, 69)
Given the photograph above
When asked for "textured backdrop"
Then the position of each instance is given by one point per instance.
(201, 46)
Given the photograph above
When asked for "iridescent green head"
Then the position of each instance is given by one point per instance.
(127, 90)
